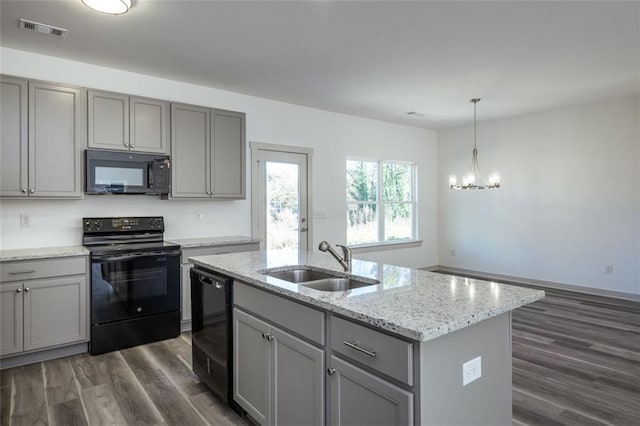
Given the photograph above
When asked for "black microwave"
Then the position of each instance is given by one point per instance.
(113, 172)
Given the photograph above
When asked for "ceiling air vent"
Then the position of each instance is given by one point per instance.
(45, 29)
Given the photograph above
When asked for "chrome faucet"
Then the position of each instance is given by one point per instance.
(345, 260)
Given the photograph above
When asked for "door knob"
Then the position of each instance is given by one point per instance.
(331, 371)
(26, 289)
(24, 190)
(18, 290)
(32, 190)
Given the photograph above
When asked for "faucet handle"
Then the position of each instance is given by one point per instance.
(346, 252)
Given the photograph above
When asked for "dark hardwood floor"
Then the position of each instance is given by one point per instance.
(576, 361)
(145, 385)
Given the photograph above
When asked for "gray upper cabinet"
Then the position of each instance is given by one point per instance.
(228, 154)
(42, 139)
(122, 122)
(14, 142)
(208, 153)
(108, 120)
(190, 147)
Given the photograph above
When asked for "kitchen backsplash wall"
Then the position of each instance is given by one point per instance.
(58, 222)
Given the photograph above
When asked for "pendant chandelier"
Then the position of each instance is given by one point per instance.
(474, 179)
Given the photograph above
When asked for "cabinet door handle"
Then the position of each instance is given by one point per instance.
(126, 145)
(358, 348)
(331, 371)
(264, 335)
(23, 190)
(133, 145)
(22, 272)
(18, 290)
(32, 190)
(26, 289)
(270, 337)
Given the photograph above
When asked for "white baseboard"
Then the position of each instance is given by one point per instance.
(536, 283)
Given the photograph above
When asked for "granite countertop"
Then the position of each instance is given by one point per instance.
(418, 305)
(213, 241)
(42, 253)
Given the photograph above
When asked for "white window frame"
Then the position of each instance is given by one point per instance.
(380, 204)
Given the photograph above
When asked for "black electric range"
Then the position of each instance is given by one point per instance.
(135, 282)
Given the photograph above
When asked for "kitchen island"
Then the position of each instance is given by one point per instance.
(387, 353)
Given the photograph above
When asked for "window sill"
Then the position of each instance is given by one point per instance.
(369, 248)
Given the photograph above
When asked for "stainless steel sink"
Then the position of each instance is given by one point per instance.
(299, 275)
(338, 284)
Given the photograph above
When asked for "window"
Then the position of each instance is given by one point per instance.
(381, 203)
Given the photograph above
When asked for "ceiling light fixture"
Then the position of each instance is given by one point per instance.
(474, 179)
(112, 7)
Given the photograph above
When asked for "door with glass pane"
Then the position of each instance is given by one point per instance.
(281, 195)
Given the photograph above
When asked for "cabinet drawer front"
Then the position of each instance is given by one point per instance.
(206, 251)
(300, 319)
(32, 269)
(384, 353)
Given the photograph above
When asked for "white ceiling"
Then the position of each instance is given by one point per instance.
(372, 59)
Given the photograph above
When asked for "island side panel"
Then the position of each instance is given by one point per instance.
(487, 400)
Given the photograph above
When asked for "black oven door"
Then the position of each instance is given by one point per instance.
(131, 285)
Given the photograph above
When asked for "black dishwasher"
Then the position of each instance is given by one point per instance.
(212, 332)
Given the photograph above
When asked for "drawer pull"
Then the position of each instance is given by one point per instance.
(22, 272)
(358, 348)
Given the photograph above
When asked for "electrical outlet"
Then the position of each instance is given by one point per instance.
(453, 252)
(471, 371)
(608, 270)
(198, 217)
(25, 220)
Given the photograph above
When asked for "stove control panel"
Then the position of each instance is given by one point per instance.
(123, 224)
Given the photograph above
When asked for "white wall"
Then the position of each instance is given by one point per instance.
(332, 136)
(570, 201)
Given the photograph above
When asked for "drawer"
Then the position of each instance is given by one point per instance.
(206, 251)
(303, 320)
(31, 269)
(382, 352)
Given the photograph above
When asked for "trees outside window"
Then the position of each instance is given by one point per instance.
(380, 201)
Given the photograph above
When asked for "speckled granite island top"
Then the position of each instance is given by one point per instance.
(415, 304)
(213, 241)
(42, 253)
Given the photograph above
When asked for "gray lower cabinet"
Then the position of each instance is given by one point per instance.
(44, 304)
(11, 324)
(278, 378)
(43, 136)
(129, 123)
(357, 397)
(208, 153)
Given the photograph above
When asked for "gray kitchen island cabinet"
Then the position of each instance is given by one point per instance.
(208, 153)
(44, 304)
(357, 397)
(129, 123)
(278, 377)
(42, 139)
(417, 348)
